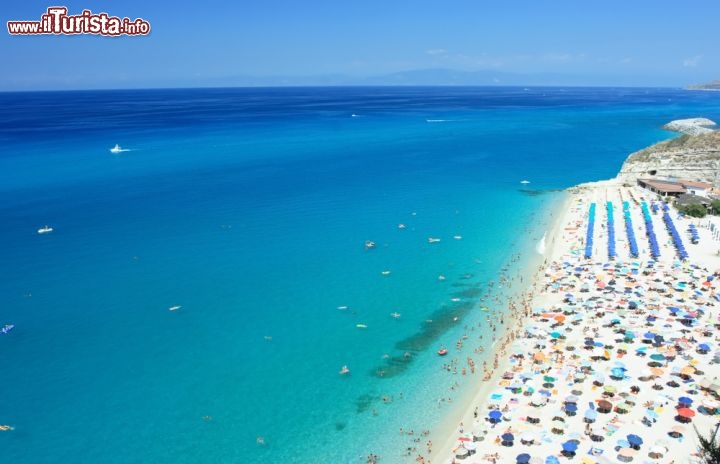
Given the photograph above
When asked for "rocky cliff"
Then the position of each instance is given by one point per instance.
(693, 157)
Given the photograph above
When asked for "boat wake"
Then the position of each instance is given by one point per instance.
(118, 149)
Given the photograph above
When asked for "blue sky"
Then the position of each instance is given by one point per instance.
(630, 42)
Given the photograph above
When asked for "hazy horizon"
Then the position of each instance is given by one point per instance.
(321, 43)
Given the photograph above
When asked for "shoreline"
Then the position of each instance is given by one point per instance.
(466, 414)
(565, 235)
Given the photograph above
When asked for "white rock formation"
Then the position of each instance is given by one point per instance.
(692, 126)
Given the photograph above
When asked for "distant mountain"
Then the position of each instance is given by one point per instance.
(429, 77)
(714, 85)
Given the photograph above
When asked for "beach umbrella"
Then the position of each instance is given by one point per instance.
(604, 406)
(570, 446)
(657, 357)
(495, 415)
(656, 371)
(685, 413)
(523, 458)
(711, 404)
(677, 431)
(623, 407)
(657, 452)
(635, 440)
(685, 400)
(590, 415)
(552, 460)
(626, 454)
(610, 388)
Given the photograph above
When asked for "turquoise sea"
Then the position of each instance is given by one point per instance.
(250, 209)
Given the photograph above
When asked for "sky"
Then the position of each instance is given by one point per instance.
(275, 42)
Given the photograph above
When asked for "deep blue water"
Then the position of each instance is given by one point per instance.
(250, 209)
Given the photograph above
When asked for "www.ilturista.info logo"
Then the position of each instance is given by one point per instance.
(57, 21)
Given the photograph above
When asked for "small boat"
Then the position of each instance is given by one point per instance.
(442, 351)
(344, 370)
(117, 149)
(342, 308)
(457, 237)
(401, 226)
(369, 244)
(7, 328)
(441, 277)
(455, 300)
(433, 240)
(395, 315)
(5, 428)
(361, 326)
(524, 181)
(385, 272)
(45, 230)
(174, 308)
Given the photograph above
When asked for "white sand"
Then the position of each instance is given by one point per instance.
(565, 244)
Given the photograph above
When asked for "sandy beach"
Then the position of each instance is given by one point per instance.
(603, 360)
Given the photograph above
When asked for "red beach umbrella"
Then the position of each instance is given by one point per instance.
(686, 413)
(464, 439)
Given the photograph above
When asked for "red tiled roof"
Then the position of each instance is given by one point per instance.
(669, 187)
(695, 184)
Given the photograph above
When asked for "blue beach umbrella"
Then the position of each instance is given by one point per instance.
(552, 460)
(657, 357)
(591, 414)
(685, 400)
(634, 440)
(570, 446)
(495, 414)
(522, 458)
(704, 347)
(571, 407)
(507, 437)
(623, 443)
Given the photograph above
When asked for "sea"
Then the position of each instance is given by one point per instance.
(204, 284)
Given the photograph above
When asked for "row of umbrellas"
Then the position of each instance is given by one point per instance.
(677, 241)
(590, 228)
(611, 231)
(694, 236)
(629, 230)
(650, 232)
